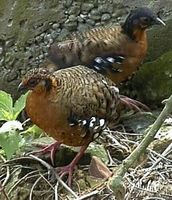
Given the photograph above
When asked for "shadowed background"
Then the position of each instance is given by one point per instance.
(29, 27)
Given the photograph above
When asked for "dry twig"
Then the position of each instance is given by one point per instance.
(51, 169)
(116, 182)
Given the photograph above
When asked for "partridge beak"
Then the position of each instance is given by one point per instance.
(159, 21)
(21, 87)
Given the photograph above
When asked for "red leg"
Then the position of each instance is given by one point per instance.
(49, 148)
(68, 169)
(133, 104)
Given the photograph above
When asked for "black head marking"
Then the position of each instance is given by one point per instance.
(140, 18)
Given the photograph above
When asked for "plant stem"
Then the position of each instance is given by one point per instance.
(116, 181)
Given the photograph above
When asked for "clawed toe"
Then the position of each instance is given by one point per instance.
(66, 170)
(51, 148)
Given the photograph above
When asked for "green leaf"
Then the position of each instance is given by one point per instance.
(19, 105)
(6, 103)
(34, 130)
(5, 115)
(10, 143)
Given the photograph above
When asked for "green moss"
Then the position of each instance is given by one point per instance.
(99, 151)
(153, 82)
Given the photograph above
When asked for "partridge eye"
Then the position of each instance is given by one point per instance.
(145, 19)
(33, 82)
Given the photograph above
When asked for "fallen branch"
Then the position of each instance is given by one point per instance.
(7, 173)
(115, 183)
(2, 190)
(51, 169)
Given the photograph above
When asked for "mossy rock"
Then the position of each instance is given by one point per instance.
(159, 40)
(153, 82)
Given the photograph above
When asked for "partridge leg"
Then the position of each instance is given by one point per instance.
(94, 126)
(133, 104)
(68, 169)
(49, 148)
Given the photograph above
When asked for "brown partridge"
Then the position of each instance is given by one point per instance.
(114, 51)
(72, 105)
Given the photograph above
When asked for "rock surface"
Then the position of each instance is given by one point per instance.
(153, 82)
(29, 27)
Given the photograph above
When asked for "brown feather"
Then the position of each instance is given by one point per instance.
(79, 90)
(83, 48)
(128, 40)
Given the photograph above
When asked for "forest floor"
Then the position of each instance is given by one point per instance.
(25, 177)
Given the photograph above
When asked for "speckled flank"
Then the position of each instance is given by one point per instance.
(78, 90)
